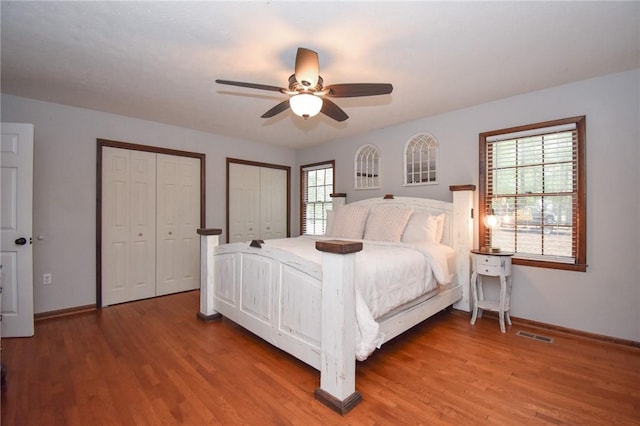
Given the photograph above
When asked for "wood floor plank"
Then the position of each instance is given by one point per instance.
(152, 362)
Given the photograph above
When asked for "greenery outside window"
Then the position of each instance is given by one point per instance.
(316, 187)
(421, 160)
(533, 179)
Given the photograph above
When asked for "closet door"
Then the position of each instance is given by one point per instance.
(128, 225)
(244, 202)
(178, 216)
(273, 203)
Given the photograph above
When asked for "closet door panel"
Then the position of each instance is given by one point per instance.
(143, 225)
(273, 203)
(115, 226)
(244, 202)
(188, 223)
(178, 216)
(167, 227)
(128, 225)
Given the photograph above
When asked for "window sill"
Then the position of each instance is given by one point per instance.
(550, 265)
(421, 183)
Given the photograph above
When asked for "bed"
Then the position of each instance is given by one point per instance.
(322, 299)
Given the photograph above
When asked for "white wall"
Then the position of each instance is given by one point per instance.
(605, 299)
(65, 186)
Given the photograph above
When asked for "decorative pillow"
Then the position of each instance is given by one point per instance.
(327, 230)
(387, 224)
(440, 227)
(348, 222)
(424, 227)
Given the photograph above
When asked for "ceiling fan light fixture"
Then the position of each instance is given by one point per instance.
(305, 105)
(306, 91)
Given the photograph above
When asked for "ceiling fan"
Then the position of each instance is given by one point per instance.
(308, 96)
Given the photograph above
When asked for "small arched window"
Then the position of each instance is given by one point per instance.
(421, 160)
(367, 168)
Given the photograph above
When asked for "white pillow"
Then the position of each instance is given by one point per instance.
(440, 227)
(424, 227)
(387, 224)
(327, 230)
(348, 222)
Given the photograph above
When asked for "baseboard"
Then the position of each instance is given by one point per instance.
(569, 332)
(64, 312)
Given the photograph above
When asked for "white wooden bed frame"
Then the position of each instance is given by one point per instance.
(308, 310)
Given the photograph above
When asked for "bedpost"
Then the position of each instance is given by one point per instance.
(337, 358)
(209, 240)
(338, 199)
(463, 239)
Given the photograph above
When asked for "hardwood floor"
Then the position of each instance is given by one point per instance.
(152, 362)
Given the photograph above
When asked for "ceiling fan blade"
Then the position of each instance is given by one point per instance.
(282, 106)
(358, 89)
(251, 85)
(307, 67)
(332, 110)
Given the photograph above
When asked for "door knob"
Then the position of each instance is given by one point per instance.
(21, 241)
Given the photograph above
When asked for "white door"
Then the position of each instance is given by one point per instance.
(244, 202)
(178, 213)
(16, 192)
(273, 203)
(128, 225)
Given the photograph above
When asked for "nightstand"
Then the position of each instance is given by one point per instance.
(491, 264)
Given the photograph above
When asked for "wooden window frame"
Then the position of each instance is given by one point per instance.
(303, 185)
(579, 213)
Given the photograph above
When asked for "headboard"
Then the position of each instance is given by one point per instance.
(432, 207)
(458, 226)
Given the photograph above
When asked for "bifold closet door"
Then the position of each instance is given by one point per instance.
(244, 202)
(273, 203)
(257, 202)
(178, 218)
(128, 225)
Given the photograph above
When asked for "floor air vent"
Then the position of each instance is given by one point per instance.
(535, 336)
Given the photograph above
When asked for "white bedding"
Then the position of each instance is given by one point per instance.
(388, 275)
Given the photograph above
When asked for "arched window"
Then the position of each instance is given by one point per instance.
(367, 168)
(421, 160)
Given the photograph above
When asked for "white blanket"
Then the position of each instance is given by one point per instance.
(388, 275)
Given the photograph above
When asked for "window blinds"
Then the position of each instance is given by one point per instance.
(316, 187)
(531, 185)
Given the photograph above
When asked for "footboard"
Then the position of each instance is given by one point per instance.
(273, 294)
(305, 310)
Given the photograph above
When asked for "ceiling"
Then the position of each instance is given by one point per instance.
(158, 60)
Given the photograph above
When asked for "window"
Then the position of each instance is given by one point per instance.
(316, 186)
(420, 160)
(533, 179)
(367, 168)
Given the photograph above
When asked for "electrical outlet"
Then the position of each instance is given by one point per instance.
(46, 279)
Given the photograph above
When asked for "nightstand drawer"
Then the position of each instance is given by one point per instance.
(491, 270)
(485, 260)
(492, 265)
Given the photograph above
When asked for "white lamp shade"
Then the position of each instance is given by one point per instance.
(305, 105)
(491, 221)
